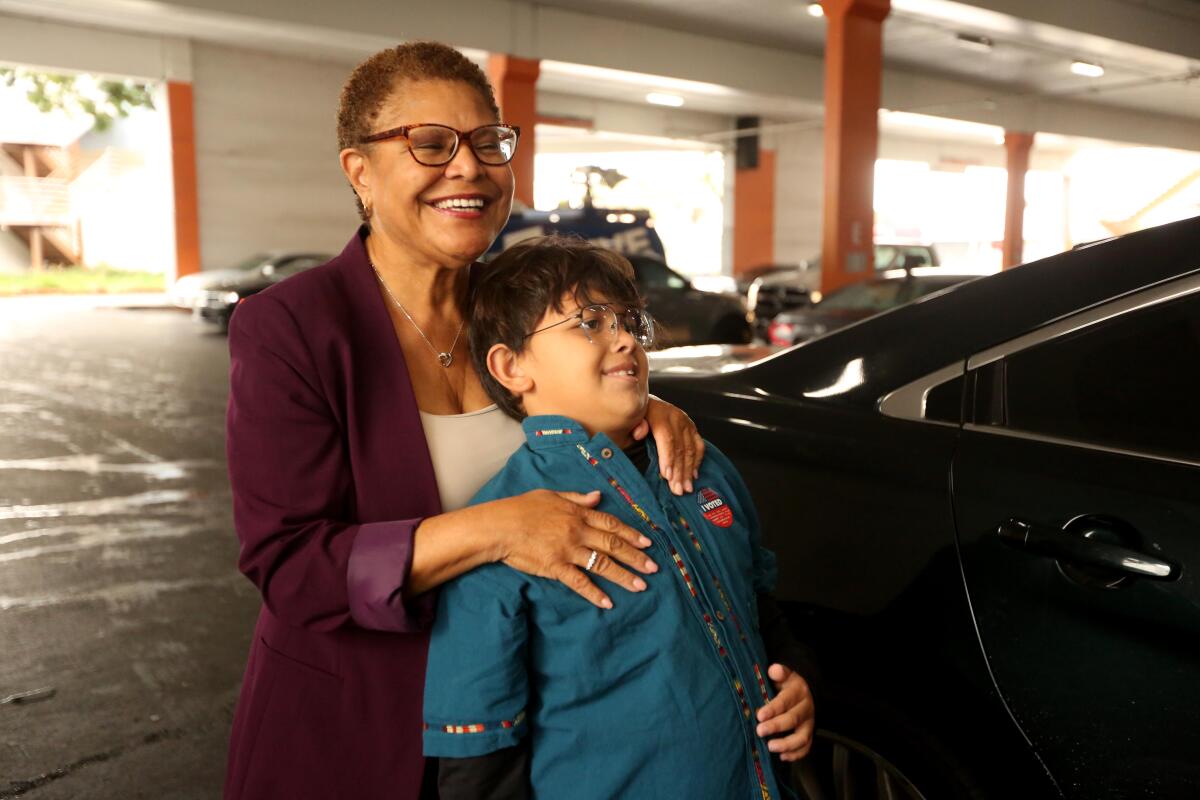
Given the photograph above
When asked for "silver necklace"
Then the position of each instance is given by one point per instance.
(444, 358)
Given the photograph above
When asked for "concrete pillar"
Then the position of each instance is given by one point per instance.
(181, 116)
(853, 74)
(515, 82)
(1016, 147)
(754, 214)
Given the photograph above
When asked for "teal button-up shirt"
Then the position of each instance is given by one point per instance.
(653, 698)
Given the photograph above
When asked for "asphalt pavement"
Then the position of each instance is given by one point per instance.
(124, 623)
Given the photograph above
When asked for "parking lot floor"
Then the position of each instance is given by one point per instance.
(121, 608)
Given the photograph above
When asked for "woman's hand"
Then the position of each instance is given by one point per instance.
(790, 713)
(680, 448)
(553, 534)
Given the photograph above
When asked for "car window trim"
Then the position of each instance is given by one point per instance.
(908, 401)
(1172, 289)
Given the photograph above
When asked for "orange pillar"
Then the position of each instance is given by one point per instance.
(515, 82)
(754, 214)
(180, 109)
(853, 74)
(1016, 147)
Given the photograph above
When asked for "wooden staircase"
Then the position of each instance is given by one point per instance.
(36, 205)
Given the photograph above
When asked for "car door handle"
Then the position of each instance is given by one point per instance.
(1079, 548)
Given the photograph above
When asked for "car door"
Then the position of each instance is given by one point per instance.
(1076, 491)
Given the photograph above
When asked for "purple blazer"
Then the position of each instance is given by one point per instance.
(331, 475)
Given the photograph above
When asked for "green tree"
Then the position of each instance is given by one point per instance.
(104, 100)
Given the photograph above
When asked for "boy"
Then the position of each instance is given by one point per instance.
(530, 690)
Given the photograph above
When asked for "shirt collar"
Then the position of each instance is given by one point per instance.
(551, 430)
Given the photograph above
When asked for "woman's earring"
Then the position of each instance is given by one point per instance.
(366, 204)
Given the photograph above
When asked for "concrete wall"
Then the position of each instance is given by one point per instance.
(799, 177)
(799, 187)
(266, 154)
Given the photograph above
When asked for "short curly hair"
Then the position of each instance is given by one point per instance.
(515, 290)
(382, 76)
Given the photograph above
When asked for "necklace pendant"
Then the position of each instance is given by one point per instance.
(445, 359)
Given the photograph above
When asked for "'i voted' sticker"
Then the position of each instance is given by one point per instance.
(714, 508)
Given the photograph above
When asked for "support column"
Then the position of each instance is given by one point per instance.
(515, 82)
(181, 114)
(754, 214)
(1016, 147)
(853, 74)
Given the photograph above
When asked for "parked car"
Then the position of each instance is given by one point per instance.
(630, 232)
(685, 315)
(985, 507)
(861, 300)
(188, 289)
(212, 296)
(785, 289)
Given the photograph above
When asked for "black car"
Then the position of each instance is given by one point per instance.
(861, 300)
(685, 315)
(212, 296)
(986, 509)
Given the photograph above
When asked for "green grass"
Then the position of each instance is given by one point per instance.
(80, 280)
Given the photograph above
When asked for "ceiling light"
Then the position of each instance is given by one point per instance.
(664, 99)
(815, 10)
(1086, 69)
(969, 41)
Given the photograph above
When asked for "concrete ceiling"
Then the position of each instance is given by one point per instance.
(728, 57)
(1027, 57)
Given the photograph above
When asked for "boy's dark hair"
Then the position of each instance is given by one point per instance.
(518, 287)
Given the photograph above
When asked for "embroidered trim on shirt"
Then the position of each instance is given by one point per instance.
(688, 528)
(729, 608)
(741, 693)
(716, 637)
(554, 432)
(762, 779)
(477, 727)
(762, 685)
(687, 578)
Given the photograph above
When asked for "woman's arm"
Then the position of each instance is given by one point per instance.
(315, 566)
(545, 533)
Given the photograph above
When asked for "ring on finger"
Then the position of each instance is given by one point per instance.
(591, 561)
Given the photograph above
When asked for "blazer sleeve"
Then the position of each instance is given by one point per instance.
(293, 491)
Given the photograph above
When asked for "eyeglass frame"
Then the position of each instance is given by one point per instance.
(612, 329)
(460, 136)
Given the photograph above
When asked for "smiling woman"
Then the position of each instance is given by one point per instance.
(351, 405)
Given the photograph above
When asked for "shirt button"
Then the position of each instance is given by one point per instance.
(606, 452)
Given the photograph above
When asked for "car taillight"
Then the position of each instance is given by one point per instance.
(783, 333)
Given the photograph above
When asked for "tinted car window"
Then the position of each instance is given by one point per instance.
(876, 296)
(652, 274)
(1132, 382)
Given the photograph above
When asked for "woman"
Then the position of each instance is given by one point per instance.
(356, 431)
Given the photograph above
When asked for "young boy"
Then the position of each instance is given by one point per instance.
(530, 690)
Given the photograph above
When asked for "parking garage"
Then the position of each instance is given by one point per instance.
(924, 270)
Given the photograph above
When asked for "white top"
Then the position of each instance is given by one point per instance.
(468, 449)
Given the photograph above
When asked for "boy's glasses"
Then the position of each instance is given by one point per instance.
(436, 145)
(600, 321)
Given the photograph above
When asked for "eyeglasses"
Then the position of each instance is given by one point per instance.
(436, 145)
(600, 321)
